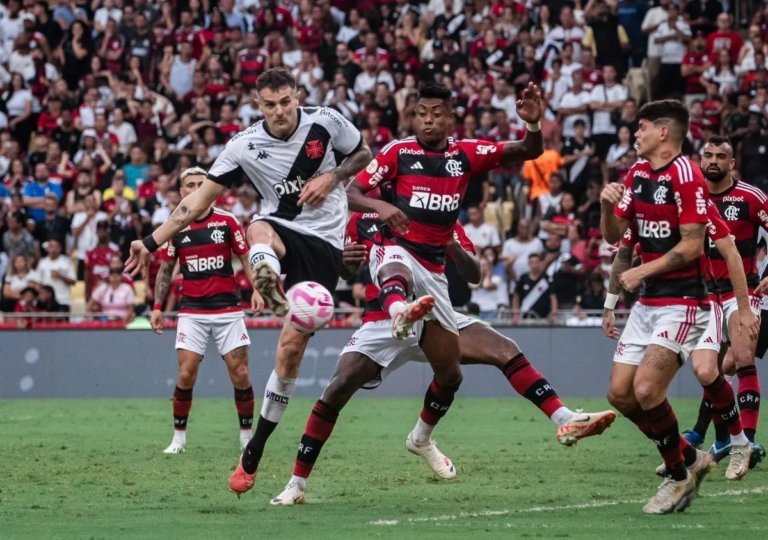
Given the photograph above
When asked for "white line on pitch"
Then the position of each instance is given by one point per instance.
(593, 504)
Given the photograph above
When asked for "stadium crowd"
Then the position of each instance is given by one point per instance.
(104, 102)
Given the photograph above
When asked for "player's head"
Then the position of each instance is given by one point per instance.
(663, 125)
(191, 180)
(717, 161)
(434, 113)
(279, 101)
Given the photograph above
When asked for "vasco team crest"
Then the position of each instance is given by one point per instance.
(314, 149)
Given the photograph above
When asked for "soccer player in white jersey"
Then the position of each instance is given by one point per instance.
(297, 158)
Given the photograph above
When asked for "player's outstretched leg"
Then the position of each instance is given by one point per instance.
(264, 255)
(352, 372)
(441, 347)
(189, 362)
(396, 281)
(481, 344)
(237, 366)
(280, 387)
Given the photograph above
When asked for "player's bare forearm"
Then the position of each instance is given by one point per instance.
(189, 209)
(163, 283)
(612, 226)
(246, 266)
(466, 264)
(353, 164)
(358, 200)
(621, 264)
(531, 147)
(730, 253)
(690, 248)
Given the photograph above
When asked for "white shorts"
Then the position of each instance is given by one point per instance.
(374, 340)
(713, 334)
(677, 328)
(424, 281)
(228, 331)
(730, 307)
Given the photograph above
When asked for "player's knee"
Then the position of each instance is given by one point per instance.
(260, 232)
(240, 376)
(290, 354)
(450, 380)
(621, 399)
(705, 372)
(647, 393)
(187, 378)
(742, 357)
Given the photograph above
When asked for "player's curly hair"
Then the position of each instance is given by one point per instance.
(275, 79)
(669, 112)
(435, 90)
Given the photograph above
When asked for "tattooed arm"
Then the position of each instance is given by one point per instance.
(621, 264)
(690, 248)
(162, 285)
(189, 209)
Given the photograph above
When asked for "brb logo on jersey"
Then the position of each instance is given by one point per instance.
(204, 264)
(434, 201)
(653, 229)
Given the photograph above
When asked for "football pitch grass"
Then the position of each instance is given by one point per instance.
(95, 469)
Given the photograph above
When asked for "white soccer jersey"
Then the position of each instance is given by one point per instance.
(280, 168)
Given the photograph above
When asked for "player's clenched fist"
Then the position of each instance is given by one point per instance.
(354, 255)
(394, 217)
(612, 194)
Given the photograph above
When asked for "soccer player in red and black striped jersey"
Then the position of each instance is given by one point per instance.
(211, 307)
(429, 174)
(745, 209)
(665, 199)
(372, 354)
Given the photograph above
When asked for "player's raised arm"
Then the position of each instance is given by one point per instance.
(615, 197)
(529, 109)
(189, 209)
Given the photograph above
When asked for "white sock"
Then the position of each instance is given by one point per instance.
(180, 436)
(263, 252)
(739, 440)
(276, 396)
(561, 416)
(395, 308)
(728, 379)
(299, 481)
(422, 432)
(246, 434)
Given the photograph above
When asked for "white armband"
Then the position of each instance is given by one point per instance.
(610, 301)
(533, 127)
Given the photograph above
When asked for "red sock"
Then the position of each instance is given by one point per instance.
(532, 385)
(437, 401)
(749, 400)
(393, 290)
(638, 417)
(319, 428)
(724, 409)
(666, 434)
(182, 403)
(244, 402)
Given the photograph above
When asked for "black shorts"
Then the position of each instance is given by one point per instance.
(762, 338)
(603, 142)
(307, 258)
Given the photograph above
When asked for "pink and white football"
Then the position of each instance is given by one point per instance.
(310, 306)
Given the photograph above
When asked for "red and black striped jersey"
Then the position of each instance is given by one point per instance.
(252, 65)
(428, 187)
(204, 250)
(745, 209)
(364, 229)
(657, 203)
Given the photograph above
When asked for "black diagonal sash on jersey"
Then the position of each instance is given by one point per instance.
(302, 170)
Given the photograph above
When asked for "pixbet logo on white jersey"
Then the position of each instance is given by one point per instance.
(422, 198)
(203, 264)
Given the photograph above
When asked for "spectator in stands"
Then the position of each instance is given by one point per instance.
(46, 301)
(577, 153)
(481, 234)
(605, 36)
(113, 298)
(725, 38)
(491, 293)
(84, 234)
(19, 277)
(551, 200)
(753, 153)
(703, 14)
(124, 131)
(673, 35)
(247, 205)
(516, 250)
(57, 271)
(593, 297)
(538, 171)
(607, 101)
(34, 192)
(534, 296)
(18, 106)
(617, 151)
(653, 19)
(97, 259)
(695, 63)
(53, 225)
(736, 124)
(17, 240)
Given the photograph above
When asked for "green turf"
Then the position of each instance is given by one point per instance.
(95, 469)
